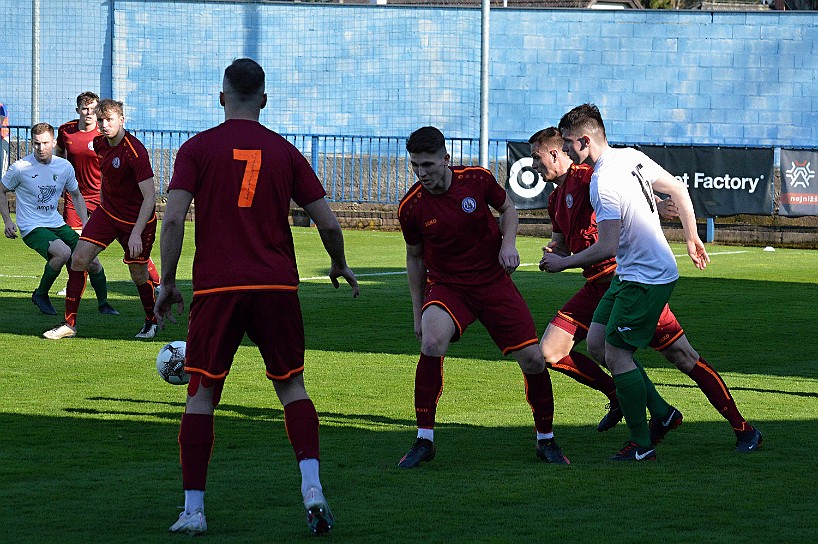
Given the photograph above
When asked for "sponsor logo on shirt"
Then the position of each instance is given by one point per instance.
(469, 204)
(46, 192)
(115, 163)
(430, 222)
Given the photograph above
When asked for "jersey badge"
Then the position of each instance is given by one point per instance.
(90, 145)
(469, 204)
(569, 200)
(115, 162)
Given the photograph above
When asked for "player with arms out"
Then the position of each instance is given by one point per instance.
(75, 142)
(459, 263)
(38, 180)
(126, 209)
(622, 195)
(245, 280)
(574, 230)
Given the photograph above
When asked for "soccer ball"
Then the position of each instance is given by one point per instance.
(170, 363)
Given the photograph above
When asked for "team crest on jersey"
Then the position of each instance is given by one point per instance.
(46, 193)
(91, 145)
(469, 204)
(115, 162)
(569, 200)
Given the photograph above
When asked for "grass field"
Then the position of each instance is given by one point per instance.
(88, 450)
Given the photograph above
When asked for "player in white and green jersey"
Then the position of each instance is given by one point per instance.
(622, 189)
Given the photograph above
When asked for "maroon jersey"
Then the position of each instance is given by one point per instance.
(123, 168)
(460, 236)
(572, 215)
(242, 176)
(79, 150)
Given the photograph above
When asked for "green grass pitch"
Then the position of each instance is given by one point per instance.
(88, 448)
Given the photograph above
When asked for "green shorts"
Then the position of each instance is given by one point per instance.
(40, 238)
(630, 311)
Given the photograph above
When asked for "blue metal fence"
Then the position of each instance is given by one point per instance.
(366, 169)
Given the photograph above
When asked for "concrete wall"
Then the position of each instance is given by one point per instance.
(729, 78)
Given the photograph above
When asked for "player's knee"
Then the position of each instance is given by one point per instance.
(139, 273)
(95, 267)
(596, 349)
(681, 358)
(552, 354)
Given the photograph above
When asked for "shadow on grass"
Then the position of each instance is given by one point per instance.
(86, 479)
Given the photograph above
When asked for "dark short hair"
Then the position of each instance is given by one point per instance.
(86, 98)
(108, 105)
(42, 128)
(584, 118)
(246, 77)
(548, 136)
(426, 140)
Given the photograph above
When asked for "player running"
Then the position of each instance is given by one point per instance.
(574, 230)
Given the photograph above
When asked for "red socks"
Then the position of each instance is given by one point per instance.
(717, 393)
(428, 388)
(195, 446)
(582, 369)
(73, 295)
(301, 422)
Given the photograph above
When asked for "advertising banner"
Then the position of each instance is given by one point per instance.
(799, 188)
(525, 186)
(721, 180)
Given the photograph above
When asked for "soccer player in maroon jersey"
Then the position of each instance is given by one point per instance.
(574, 229)
(126, 210)
(245, 280)
(75, 142)
(459, 263)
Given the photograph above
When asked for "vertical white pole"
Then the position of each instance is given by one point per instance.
(35, 61)
(484, 84)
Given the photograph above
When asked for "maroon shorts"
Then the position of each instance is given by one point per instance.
(70, 215)
(103, 228)
(499, 307)
(576, 315)
(271, 319)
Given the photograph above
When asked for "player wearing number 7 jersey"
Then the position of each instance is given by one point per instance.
(243, 177)
(628, 224)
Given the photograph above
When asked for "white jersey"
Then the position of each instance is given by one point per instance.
(38, 188)
(622, 188)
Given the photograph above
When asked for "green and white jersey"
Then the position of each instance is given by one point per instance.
(38, 188)
(622, 188)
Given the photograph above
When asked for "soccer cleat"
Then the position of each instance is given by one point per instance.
(548, 450)
(63, 330)
(422, 450)
(319, 516)
(610, 419)
(749, 441)
(107, 309)
(43, 303)
(632, 451)
(190, 523)
(659, 427)
(148, 330)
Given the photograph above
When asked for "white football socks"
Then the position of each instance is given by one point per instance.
(428, 434)
(309, 475)
(194, 500)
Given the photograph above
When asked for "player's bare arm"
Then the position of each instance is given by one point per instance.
(333, 240)
(604, 248)
(677, 191)
(10, 229)
(145, 213)
(79, 205)
(416, 272)
(509, 222)
(173, 236)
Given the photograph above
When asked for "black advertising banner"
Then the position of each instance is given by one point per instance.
(526, 187)
(799, 188)
(721, 180)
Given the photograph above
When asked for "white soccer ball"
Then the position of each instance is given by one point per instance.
(170, 363)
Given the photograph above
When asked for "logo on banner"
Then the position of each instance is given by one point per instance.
(524, 180)
(799, 174)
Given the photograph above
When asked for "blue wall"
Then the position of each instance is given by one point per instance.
(730, 78)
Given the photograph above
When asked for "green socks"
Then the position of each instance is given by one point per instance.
(100, 284)
(49, 277)
(632, 395)
(657, 406)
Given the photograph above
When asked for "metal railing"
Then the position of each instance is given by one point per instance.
(365, 169)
